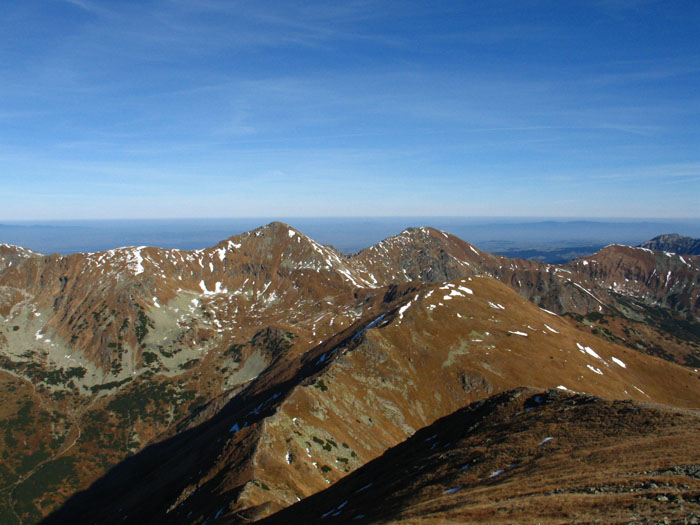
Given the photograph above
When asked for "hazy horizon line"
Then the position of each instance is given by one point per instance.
(272, 218)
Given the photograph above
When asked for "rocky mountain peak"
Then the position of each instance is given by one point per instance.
(11, 255)
(673, 242)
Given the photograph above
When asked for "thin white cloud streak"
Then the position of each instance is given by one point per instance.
(205, 27)
(90, 7)
(661, 172)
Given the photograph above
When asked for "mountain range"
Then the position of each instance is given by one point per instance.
(227, 384)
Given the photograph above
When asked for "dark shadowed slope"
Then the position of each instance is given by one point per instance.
(672, 242)
(526, 456)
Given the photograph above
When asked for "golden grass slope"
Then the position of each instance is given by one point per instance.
(527, 456)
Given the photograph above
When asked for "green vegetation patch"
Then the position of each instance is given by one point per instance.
(7, 517)
(596, 317)
(62, 376)
(234, 351)
(148, 399)
(143, 323)
(187, 365)
(29, 461)
(169, 353)
(110, 385)
(273, 341)
(50, 476)
(150, 358)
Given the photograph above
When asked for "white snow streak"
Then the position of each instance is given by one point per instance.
(403, 309)
(618, 362)
(594, 369)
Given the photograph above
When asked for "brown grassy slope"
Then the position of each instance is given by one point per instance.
(650, 299)
(528, 457)
(209, 459)
(422, 363)
(494, 337)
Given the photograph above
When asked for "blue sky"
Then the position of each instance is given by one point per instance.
(213, 108)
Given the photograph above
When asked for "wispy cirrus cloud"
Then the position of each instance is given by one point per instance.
(439, 99)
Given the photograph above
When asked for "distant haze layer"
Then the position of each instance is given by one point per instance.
(349, 235)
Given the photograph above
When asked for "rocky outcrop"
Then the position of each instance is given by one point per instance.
(674, 243)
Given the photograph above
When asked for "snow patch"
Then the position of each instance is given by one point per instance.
(403, 309)
(550, 329)
(618, 362)
(594, 369)
(349, 277)
(217, 288)
(592, 353)
(587, 291)
(134, 261)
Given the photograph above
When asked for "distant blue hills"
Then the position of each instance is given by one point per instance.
(545, 239)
